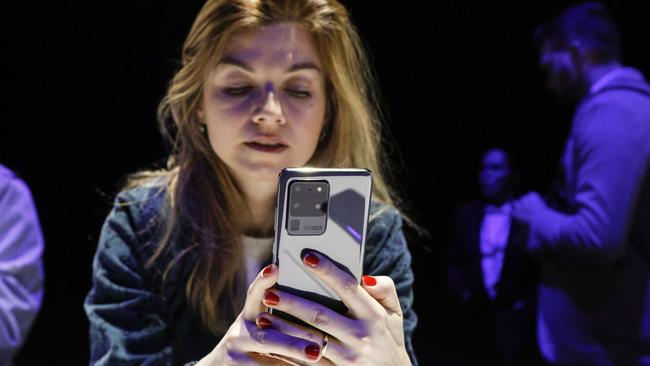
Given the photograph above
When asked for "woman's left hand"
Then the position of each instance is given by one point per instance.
(372, 332)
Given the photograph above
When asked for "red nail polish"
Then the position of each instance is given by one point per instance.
(264, 323)
(311, 260)
(312, 351)
(369, 280)
(271, 299)
(267, 270)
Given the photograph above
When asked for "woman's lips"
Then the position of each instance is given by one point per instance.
(267, 148)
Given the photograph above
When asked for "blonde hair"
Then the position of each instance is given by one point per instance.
(201, 193)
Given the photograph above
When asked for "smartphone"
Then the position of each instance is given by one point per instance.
(324, 210)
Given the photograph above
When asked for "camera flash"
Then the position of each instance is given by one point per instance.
(317, 206)
(319, 189)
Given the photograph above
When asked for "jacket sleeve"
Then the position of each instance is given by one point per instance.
(128, 323)
(609, 160)
(387, 254)
(21, 268)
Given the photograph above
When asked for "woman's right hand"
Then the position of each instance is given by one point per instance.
(247, 343)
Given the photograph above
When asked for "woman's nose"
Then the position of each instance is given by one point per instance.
(270, 110)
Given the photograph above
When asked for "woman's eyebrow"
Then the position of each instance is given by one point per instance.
(229, 60)
(304, 66)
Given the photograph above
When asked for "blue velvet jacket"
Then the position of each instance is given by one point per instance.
(133, 321)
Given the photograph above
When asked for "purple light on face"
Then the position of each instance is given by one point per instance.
(353, 233)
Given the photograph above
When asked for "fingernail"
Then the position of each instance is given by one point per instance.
(311, 260)
(369, 280)
(267, 270)
(271, 299)
(312, 351)
(264, 323)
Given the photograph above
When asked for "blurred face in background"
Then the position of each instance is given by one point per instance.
(495, 175)
(562, 68)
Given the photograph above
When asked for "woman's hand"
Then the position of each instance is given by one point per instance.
(372, 332)
(248, 343)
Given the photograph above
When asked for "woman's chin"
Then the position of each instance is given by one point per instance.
(265, 172)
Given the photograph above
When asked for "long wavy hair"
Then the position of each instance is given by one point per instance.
(202, 198)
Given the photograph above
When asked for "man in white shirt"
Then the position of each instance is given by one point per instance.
(490, 275)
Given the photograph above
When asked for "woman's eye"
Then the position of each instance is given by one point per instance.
(237, 91)
(298, 93)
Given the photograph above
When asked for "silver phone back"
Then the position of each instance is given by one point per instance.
(343, 239)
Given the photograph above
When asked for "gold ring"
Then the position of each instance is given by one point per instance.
(324, 347)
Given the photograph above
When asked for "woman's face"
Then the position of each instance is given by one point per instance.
(264, 104)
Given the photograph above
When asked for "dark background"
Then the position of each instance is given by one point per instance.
(83, 81)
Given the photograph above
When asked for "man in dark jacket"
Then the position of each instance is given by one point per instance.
(491, 278)
(594, 298)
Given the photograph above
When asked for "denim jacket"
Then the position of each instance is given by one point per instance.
(134, 322)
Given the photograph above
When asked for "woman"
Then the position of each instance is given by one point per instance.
(263, 85)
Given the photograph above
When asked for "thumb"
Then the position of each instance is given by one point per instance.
(382, 289)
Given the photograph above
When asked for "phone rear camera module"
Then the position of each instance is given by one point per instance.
(307, 207)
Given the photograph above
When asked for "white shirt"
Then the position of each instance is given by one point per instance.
(256, 252)
(495, 229)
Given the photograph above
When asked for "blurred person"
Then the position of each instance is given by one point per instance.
(491, 277)
(21, 267)
(594, 297)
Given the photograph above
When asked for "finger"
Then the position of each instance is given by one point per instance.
(325, 362)
(335, 351)
(290, 361)
(252, 359)
(342, 283)
(266, 320)
(316, 315)
(275, 342)
(273, 359)
(264, 280)
(338, 353)
(382, 289)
